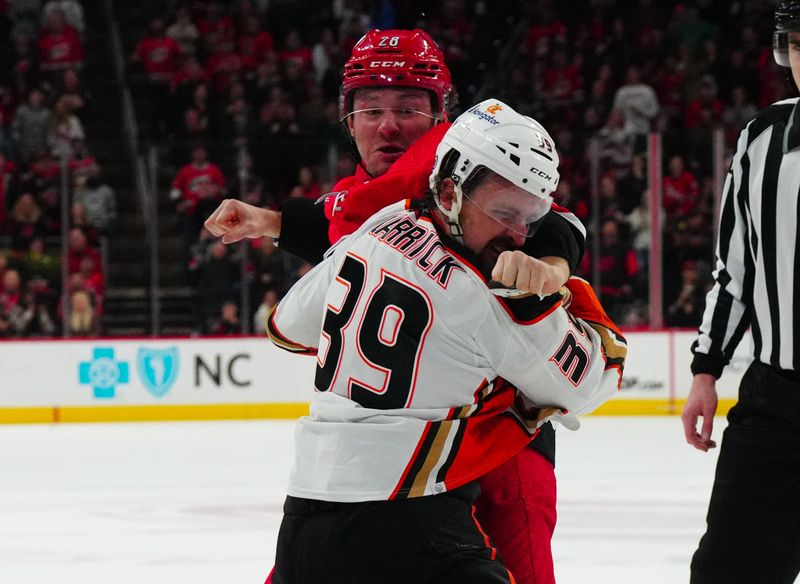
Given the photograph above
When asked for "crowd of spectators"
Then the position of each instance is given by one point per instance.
(256, 85)
(43, 102)
(614, 72)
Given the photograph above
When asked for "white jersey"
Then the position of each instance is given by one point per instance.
(421, 369)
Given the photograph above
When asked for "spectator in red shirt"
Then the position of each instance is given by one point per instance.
(10, 292)
(254, 43)
(59, 44)
(189, 74)
(546, 29)
(681, 190)
(618, 269)
(157, 53)
(93, 281)
(45, 170)
(295, 50)
(561, 82)
(217, 29)
(705, 107)
(7, 186)
(223, 66)
(159, 57)
(197, 188)
(25, 222)
(669, 86)
(78, 249)
(79, 219)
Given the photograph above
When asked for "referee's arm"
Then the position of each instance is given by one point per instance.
(727, 314)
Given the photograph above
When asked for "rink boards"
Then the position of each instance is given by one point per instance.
(199, 379)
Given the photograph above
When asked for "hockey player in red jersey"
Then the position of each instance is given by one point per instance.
(426, 380)
(394, 101)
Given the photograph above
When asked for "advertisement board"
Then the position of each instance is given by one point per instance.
(151, 379)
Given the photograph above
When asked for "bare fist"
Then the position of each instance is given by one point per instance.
(515, 269)
(234, 220)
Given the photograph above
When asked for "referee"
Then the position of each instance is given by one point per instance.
(753, 533)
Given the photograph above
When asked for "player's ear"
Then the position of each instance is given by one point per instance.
(350, 127)
(447, 194)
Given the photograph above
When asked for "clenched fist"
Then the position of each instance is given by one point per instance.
(515, 269)
(234, 220)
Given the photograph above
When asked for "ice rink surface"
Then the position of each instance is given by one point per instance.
(200, 502)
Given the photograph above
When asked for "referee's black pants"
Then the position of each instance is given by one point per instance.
(753, 534)
(407, 541)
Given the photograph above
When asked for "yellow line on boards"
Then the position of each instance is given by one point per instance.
(43, 415)
(152, 413)
(652, 407)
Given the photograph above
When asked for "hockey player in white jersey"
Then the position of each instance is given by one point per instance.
(426, 377)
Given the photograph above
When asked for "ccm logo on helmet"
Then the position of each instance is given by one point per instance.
(541, 173)
(387, 63)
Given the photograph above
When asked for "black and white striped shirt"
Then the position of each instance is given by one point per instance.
(757, 254)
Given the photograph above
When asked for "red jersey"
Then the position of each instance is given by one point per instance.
(696, 108)
(221, 66)
(191, 179)
(159, 56)
(6, 176)
(546, 31)
(681, 194)
(60, 50)
(562, 82)
(221, 29)
(255, 48)
(301, 55)
(74, 259)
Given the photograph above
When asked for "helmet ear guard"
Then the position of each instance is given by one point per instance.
(435, 183)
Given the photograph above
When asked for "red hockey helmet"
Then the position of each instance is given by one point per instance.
(397, 58)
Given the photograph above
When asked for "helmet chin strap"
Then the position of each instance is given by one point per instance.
(451, 215)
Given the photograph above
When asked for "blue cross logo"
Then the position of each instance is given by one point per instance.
(103, 372)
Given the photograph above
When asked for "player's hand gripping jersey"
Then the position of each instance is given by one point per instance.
(418, 365)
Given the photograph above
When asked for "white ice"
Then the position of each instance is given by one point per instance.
(200, 502)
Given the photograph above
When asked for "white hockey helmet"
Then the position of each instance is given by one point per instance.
(492, 135)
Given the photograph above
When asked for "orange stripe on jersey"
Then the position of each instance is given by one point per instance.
(487, 542)
(586, 305)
